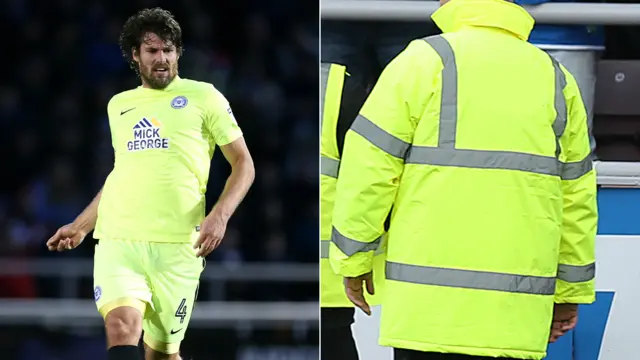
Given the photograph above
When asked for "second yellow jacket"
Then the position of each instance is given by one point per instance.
(332, 292)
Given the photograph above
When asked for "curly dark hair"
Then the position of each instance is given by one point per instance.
(158, 21)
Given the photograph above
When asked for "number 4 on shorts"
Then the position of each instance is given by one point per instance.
(181, 312)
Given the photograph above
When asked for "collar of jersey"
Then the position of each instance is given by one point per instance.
(500, 14)
(171, 86)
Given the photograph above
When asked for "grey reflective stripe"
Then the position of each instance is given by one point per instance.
(483, 159)
(572, 170)
(575, 273)
(449, 95)
(324, 249)
(575, 170)
(380, 138)
(559, 103)
(350, 246)
(324, 78)
(445, 154)
(468, 279)
(329, 166)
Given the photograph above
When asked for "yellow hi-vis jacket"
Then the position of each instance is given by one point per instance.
(332, 289)
(479, 140)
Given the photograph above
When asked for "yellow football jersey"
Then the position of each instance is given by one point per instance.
(163, 142)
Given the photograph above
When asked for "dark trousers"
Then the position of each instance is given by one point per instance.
(336, 339)
(403, 354)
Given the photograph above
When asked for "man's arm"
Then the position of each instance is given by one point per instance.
(240, 180)
(71, 235)
(86, 221)
(226, 133)
(576, 268)
(373, 158)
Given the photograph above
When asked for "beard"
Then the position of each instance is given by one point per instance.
(158, 80)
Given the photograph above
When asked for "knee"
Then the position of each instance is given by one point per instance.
(124, 326)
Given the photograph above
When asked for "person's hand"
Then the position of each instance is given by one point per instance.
(66, 238)
(565, 318)
(212, 231)
(355, 292)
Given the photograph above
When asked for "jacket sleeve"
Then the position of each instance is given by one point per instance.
(373, 158)
(576, 265)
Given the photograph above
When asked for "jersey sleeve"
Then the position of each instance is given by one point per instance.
(219, 119)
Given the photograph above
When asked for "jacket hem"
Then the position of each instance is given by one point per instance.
(585, 300)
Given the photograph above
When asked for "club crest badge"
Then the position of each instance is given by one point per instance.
(97, 293)
(179, 102)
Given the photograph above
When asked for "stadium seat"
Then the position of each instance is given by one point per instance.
(617, 110)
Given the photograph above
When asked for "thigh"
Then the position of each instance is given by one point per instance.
(119, 277)
(174, 274)
(338, 343)
(336, 337)
(336, 317)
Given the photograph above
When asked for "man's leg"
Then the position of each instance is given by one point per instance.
(336, 339)
(175, 275)
(121, 293)
(124, 328)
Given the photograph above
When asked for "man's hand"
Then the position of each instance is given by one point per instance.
(355, 292)
(212, 231)
(66, 238)
(565, 318)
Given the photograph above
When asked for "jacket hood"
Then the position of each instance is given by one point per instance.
(500, 14)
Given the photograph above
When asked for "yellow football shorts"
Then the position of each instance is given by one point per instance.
(159, 279)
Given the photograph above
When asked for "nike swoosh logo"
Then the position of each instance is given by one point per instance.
(173, 332)
(125, 111)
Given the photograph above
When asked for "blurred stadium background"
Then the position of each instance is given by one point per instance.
(259, 293)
